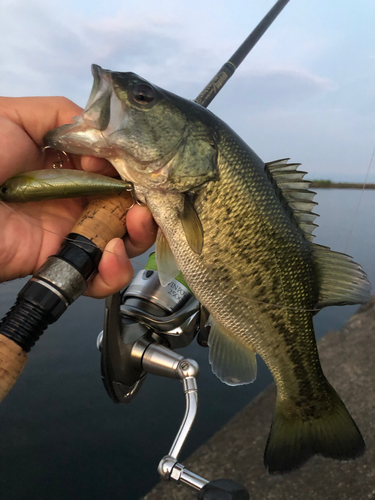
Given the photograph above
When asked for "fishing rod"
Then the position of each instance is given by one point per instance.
(63, 278)
(227, 70)
(45, 297)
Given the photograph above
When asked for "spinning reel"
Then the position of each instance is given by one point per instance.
(142, 327)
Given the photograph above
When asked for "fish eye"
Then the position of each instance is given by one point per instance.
(143, 93)
(4, 189)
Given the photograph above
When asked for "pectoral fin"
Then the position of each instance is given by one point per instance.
(192, 227)
(233, 362)
(165, 261)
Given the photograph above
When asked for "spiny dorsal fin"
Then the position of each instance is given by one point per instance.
(281, 164)
(192, 227)
(233, 362)
(300, 195)
(341, 280)
(165, 261)
(296, 192)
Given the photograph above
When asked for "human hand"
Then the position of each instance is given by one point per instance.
(31, 232)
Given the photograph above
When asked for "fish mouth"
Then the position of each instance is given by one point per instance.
(108, 128)
(103, 115)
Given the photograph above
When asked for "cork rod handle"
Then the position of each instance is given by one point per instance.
(102, 220)
(12, 362)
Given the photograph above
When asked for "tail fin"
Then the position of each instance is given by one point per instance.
(296, 436)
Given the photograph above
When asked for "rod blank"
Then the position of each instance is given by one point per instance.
(221, 78)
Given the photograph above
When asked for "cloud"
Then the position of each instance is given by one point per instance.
(279, 87)
(43, 53)
(297, 94)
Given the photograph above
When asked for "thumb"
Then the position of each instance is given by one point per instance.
(114, 272)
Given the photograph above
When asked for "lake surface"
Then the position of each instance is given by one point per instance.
(63, 438)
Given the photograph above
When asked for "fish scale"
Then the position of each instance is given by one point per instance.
(241, 233)
(238, 284)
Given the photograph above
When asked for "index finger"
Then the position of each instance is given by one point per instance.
(28, 119)
(37, 115)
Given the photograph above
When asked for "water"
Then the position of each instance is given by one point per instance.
(62, 438)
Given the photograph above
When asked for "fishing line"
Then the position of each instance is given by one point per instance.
(359, 202)
(276, 306)
(239, 295)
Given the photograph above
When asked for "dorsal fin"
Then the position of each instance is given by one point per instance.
(296, 193)
(341, 280)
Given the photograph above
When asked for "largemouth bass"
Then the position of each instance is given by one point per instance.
(240, 231)
(51, 184)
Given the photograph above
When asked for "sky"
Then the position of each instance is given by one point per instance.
(306, 91)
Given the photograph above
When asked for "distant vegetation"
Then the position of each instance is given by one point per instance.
(325, 183)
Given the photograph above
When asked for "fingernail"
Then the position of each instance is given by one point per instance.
(117, 247)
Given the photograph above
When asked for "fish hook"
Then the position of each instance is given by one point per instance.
(136, 201)
(60, 161)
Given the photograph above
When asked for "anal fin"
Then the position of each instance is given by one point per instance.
(232, 361)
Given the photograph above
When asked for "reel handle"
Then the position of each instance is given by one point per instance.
(223, 489)
(60, 281)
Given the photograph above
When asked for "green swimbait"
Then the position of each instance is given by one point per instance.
(240, 231)
(39, 185)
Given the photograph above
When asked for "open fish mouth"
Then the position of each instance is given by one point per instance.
(89, 133)
(116, 125)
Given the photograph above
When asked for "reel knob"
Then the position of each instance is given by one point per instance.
(223, 489)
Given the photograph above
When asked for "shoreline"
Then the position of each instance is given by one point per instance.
(340, 185)
(236, 451)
